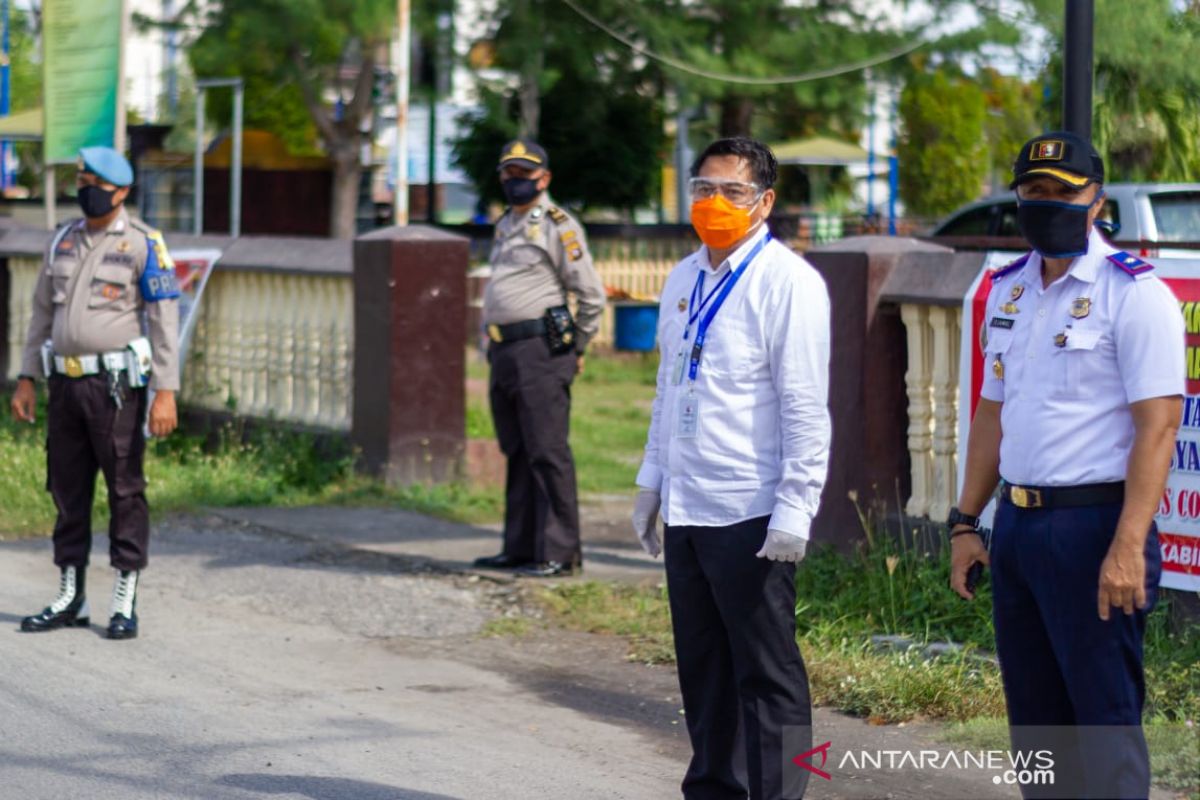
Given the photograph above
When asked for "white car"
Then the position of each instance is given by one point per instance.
(1133, 212)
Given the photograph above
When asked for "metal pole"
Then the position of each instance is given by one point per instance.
(198, 166)
(403, 57)
(235, 167)
(171, 57)
(51, 192)
(682, 167)
(1077, 67)
(119, 133)
(5, 178)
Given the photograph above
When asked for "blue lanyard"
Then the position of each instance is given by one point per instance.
(697, 293)
(702, 332)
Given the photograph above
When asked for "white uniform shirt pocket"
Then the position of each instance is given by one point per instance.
(1081, 356)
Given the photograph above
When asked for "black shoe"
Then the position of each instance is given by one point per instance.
(550, 569)
(122, 627)
(123, 624)
(501, 561)
(69, 609)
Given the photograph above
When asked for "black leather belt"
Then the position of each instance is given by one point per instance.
(1091, 494)
(517, 330)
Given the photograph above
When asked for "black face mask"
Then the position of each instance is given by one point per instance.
(520, 191)
(1054, 229)
(94, 201)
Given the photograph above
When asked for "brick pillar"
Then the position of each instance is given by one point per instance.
(410, 296)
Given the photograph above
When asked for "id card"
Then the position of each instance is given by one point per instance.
(689, 416)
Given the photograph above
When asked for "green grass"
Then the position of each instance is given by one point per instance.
(886, 587)
(230, 468)
(610, 414)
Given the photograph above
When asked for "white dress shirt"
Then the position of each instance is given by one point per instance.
(1066, 418)
(761, 443)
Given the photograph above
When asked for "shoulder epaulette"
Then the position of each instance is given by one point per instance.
(1011, 267)
(558, 215)
(1130, 264)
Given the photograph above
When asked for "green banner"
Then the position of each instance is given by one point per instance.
(82, 49)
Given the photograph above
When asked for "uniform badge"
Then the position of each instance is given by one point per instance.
(998, 369)
(1081, 307)
(73, 367)
(1049, 150)
(1017, 291)
(1060, 339)
(533, 232)
(1010, 308)
(493, 332)
(682, 305)
(123, 246)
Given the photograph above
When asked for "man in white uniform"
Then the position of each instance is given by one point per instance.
(1085, 372)
(736, 458)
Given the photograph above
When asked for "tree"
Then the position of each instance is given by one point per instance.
(941, 147)
(1147, 89)
(586, 100)
(295, 55)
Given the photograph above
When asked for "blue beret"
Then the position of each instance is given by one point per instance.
(106, 164)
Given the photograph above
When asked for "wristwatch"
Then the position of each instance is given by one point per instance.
(957, 517)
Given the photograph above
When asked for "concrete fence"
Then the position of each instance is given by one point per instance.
(275, 339)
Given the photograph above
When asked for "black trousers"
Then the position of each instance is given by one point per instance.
(87, 433)
(530, 393)
(740, 670)
(1074, 684)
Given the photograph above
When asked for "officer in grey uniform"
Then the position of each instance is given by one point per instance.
(536, 349)
(103, 275)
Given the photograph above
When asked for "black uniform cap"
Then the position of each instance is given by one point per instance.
(524, 153)
(1066, 157)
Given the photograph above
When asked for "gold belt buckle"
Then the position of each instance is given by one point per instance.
(73, 367)
(493, 332)
(1026, 498)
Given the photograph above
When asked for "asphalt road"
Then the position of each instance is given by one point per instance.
(296, 661)
(271, 668)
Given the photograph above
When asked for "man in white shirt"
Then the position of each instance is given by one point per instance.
(1082, 395)
(736, 458)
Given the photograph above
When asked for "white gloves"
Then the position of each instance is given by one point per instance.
(780, 546)
(645, 520)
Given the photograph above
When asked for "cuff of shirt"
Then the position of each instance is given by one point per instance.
(163, 385)
(791, 520)
(650, 477)
(1151, 389)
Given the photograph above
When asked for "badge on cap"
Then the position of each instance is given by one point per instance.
(1017, 291)
(1081, 307)
(1049, 150)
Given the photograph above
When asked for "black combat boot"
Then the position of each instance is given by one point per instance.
(123, 624)
(69, 609)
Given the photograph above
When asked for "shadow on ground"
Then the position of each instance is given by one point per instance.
(319, 788)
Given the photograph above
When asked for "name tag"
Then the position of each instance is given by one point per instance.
(677, 375)
(1002, 322)
(124, 259)
(689, 416)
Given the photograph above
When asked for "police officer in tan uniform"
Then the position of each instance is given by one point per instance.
(102, 275)
(536, 349)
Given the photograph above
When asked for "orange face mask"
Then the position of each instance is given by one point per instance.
(719, 223)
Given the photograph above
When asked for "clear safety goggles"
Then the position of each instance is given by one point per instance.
(739, 193)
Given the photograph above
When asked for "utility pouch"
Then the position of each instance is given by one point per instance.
(47, 358)
(138, 362)
(560, 329)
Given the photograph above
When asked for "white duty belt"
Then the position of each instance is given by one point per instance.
(93, 364)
